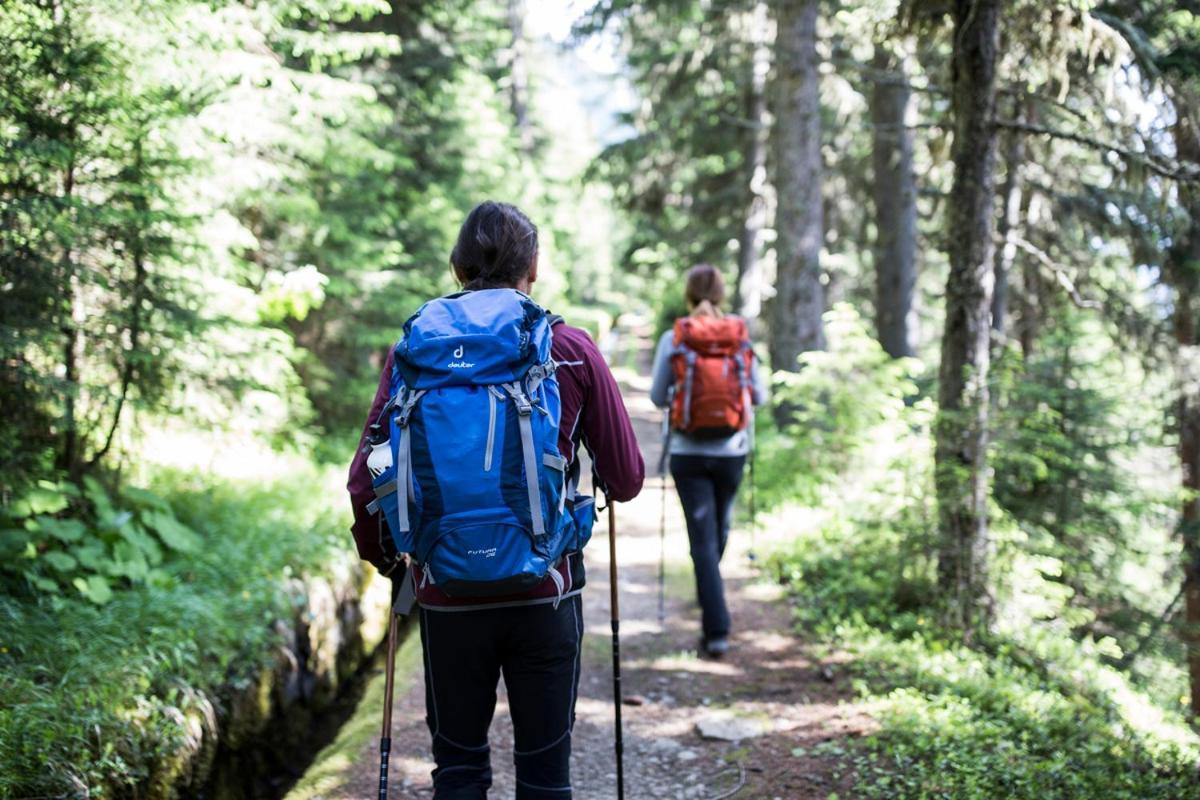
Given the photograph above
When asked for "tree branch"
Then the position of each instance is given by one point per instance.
(1174, 170)
(1131, 655)
(1059, 272)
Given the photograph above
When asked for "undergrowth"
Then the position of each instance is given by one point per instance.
(1026, 715)
(1040, 707)
(92, 696)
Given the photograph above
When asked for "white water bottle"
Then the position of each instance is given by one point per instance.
(380, 458)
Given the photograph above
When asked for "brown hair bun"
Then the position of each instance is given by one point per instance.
(704, 282)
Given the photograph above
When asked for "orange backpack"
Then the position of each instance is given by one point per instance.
(712, 362)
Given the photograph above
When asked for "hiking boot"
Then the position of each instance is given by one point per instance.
(714, 647)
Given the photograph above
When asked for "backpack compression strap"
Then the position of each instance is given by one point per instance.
(521, 392)
(403, 462)
(689, 376)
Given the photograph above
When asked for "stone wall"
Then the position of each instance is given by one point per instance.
(258, 731)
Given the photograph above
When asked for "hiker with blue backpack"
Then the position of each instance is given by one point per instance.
(706, 375)
(465, 493)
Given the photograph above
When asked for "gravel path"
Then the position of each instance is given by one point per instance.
(794, 711)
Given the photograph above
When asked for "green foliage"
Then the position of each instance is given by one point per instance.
(90, 242)
(96, 697)
(59, 537)
(682, 175)
(849, 402)
(1074, 458)
(958, 723)
(1027, 713)
(1036, 708)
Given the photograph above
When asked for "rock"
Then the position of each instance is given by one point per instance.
(634, 700)
(665, 745)
(730, 728)
(252, 721)
(686, 755)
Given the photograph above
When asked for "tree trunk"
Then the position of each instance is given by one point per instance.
(70, 458)
(1010, 226)
(799, 295)
(1184, 274)
(895, 205)
(137, 294)
(1032, 289)
(748, 292)
(961, 429)
(518, 75)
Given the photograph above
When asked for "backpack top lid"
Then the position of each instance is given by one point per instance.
(480, 337)
(712, 335)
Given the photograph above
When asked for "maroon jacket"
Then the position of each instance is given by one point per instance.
(593, 414)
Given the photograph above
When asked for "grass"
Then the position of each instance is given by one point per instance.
(1028, 713)
(92, 698)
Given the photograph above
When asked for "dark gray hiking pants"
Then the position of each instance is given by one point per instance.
(707, 487)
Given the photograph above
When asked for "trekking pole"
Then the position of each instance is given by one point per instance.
(753, 507)
(662, 558)
(662, 524)
(385, 738)
(616, 645)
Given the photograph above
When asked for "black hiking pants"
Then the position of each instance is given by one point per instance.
(707, 486)
(537, 649)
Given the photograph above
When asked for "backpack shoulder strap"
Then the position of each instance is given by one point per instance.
(680, 329)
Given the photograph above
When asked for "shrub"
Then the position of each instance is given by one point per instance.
(93, 696)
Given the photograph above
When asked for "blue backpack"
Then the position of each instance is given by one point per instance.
(465, 459)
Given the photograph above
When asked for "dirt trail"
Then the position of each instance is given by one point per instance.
(799, 706)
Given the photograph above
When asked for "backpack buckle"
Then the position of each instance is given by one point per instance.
(524, 406)
(407, 409)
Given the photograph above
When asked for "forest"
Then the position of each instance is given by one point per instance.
(965, 235)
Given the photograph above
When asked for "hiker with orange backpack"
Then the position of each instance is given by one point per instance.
(706, 374)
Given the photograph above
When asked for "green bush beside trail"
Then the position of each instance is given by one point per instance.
(96, 695)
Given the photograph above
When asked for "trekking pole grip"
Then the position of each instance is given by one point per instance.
(385, 747)
(385, 736)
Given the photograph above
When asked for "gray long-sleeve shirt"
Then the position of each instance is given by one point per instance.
(681, 443)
